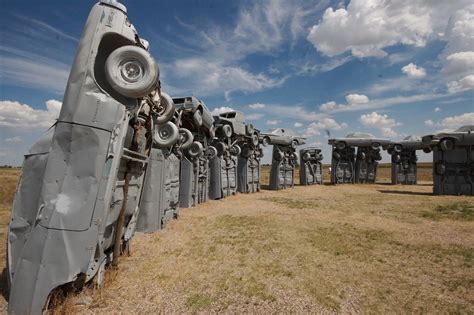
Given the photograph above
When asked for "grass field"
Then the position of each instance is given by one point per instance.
(343, 249)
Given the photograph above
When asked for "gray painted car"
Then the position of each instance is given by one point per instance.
(404, 159)
(453, 161)
(193, 115)
(281, 136)
(347, 166)
(284, 161)
(311, 168)
(77, 202)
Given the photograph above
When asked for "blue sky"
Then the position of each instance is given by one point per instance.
(391, 68)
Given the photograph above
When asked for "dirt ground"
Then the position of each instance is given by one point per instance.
(324, 249)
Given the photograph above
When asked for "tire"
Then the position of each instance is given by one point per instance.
(446, 144)
(245, 152)
(336, 155)
(197, 118)
(166, 109)
(396, 158)
(397, 148)
(378, 156)
(249, 128)
(226, 131)
(195, 149)
(235, 150)
(375, 145)
(265, 141)
(427, 150)
(211, 152)
(131, 71)
(254, 139)
(186, 138)
(361, 155)
(220, 147)
(340, 145)
(440, 169)
(166, 135)
(278, 156)
(306, 157)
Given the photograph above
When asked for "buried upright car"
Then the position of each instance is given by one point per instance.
(77, 201)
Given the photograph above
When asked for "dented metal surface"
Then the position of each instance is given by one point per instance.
(347, 166)
(77, 202)
(311, 168)
(404, 159)
(453, 161)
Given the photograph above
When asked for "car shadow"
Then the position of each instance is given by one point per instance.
(404, 192)
(4, 285)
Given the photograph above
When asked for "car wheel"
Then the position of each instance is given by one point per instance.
(294, 144)
(340, 145)
(131, 71)
(211, 152)
(361, 155)
(166, 109)
(254, 139)
(396, 158)
(197, 118)
(220, 147)
(227, 131)
(265, 141)
(375, 145)
(397, 148)
(440, 169)
(447, 144)
(278, 156)
(235, 150)
(186, 138)
(249, 128)
(306, 157)
(195, 149)
(336, 155)
(166, 135)
(426, 150)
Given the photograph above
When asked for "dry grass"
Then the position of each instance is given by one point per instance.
(347, 249)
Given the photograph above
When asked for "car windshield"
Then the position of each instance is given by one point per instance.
(360, 135)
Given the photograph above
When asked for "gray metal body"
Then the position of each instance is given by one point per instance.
(311, 168)
(284, 160)
(160, 198)
(404, 159)
(348, 167)
(248, 171)
(282, 137)
(194, 181)
(223, 176)
(71, 191)
(453, 161)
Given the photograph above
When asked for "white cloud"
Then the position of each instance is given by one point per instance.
(437, 109)
(429, 122)
(464, 84)
(256, 106)
(219, 110)
(356, 99)
(314, 128)
(21, 116)
(455, 122)
(352, 101)
(459, 63)
(273, 122)
(365, 27)
(381, 122)
(413, 71)
(14, 139)
(460, 29)
(298, 125)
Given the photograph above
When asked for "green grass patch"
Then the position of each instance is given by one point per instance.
(198, 301)
(461, 211)
(293, 203)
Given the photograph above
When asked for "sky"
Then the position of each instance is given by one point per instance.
(321, 68)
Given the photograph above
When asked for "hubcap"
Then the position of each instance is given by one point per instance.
(131, 71)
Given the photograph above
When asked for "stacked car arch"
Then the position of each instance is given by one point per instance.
(125, 156)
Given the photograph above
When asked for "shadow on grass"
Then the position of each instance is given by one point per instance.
(404, 192)
(4, 285)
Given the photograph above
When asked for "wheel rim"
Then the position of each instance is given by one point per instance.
(164, 133)
(131, 70)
